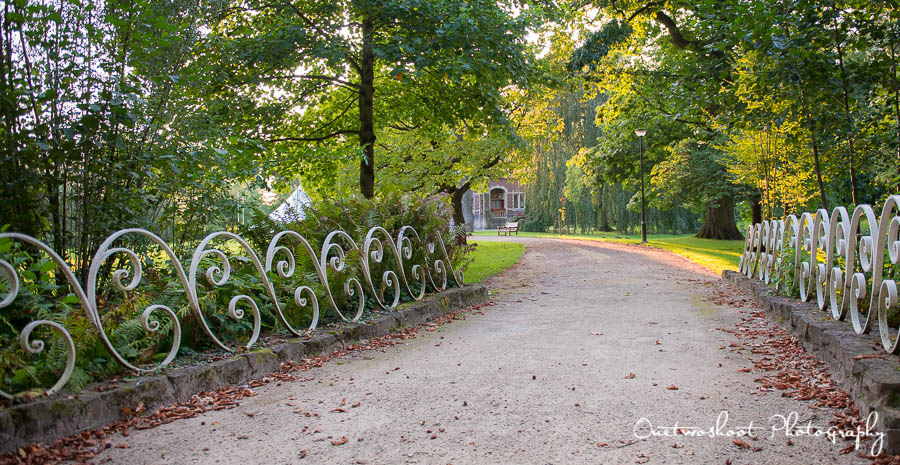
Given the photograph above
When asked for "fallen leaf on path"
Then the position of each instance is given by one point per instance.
(642, 459)
(658, 343)
(595, 333)
(338, 410)
(602, 444)
(340, 442)
(741, 444)
(629, 376)
(672, 387)
(744, 370)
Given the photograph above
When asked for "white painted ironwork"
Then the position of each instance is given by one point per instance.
(212, 260)
(849, 262)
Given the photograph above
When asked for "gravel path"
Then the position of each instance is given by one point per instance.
(584, 340)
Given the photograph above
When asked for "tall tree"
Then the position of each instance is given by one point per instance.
(317, 75)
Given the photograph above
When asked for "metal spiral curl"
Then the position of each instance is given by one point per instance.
(285, 269)
(224, 274)
(37, 346)
(840, 287)
(352, 286)
(389, 277)
(444, 261)
(104, 253)
(404, 244)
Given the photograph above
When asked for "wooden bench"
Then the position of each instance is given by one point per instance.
(509, 227)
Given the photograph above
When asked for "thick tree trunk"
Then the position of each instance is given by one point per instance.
(456, 201)
(756, 208)
(719, 222)
(604, 214)
(366, 112)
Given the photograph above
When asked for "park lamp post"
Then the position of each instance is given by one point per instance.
(641, 133)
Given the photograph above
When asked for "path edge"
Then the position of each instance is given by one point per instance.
(66, 414)
(873, 383)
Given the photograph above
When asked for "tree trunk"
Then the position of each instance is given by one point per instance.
(604, 214)
(848, 115)
(719, 222)
(818, 168)
(456, 201)
(366, 112)
(895, 85)
(756, 208)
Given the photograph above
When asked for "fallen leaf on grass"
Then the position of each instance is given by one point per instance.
(340, 442)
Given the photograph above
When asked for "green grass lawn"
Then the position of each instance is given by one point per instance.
(713, 254)
(491, 258)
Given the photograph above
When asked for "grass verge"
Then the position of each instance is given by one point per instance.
(490, 258)
(713, 254)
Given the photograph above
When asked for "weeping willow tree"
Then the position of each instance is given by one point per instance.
(571, 190)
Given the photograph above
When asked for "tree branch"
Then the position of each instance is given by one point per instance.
(313, 77)
(678, 40)
(315, 139)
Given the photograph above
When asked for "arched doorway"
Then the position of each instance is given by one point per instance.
(498, 204)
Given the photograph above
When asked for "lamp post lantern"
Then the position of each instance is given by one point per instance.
(641, 133)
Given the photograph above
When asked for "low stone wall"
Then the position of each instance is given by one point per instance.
(65, 414)
(874, 383)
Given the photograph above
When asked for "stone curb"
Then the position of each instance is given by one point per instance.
(874, 383)
(65, 414)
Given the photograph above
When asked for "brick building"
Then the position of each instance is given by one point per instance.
(503, 201)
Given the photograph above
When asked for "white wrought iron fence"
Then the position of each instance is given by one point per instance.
(125, 269)
(849, 262)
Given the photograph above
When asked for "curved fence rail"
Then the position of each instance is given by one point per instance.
(213, 264)
(849, 262)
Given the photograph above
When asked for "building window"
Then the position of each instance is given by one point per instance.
(518, 200)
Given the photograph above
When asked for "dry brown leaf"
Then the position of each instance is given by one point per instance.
(672, 387)
(629, 376)
(340, 442)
